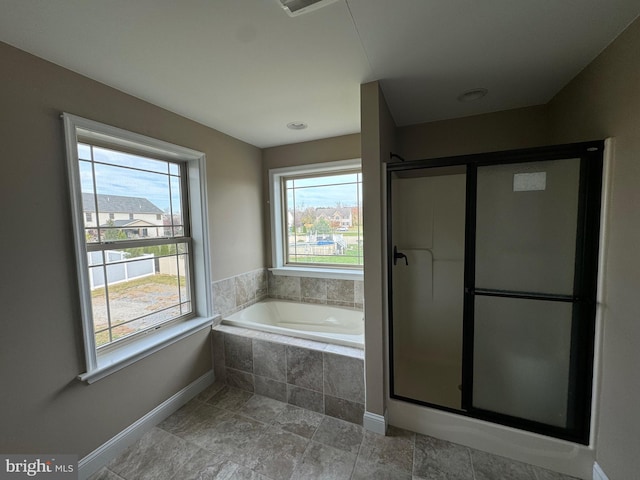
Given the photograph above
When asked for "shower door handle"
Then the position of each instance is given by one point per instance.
(397, 255)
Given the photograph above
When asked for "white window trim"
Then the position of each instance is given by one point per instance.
(100, 365)
(277, 245)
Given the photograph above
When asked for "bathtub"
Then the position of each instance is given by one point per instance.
(324, 323)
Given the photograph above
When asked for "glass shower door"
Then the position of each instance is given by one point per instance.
(522, 297)
(428, 285)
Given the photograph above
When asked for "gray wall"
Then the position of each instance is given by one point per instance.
(491, 132)
(604, 100)
(44, 408)
(378, 139)
(332, 149)
(512, 129)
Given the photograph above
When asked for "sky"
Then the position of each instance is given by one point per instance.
(324, 191)
(151, 181)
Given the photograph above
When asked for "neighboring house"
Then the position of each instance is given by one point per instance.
(341, 217)
(135, 216)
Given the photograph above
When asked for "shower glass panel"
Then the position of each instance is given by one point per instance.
(526, 224)
(428, 284)
(525, 248)
(521, 361)
(492, 283)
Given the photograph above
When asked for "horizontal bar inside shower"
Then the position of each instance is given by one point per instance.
(525, 295)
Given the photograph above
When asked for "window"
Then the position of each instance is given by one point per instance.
(143, 284)
(317, 220)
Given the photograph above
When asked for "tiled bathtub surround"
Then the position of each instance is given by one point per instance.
(235, 293)
(344, 293)
(324, 378)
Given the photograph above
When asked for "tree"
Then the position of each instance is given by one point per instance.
(111, 234)
(322, 227)
(308, 217)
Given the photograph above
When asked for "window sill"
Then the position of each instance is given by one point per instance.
(333, 273)
(117, 359)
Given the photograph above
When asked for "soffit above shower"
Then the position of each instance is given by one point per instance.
(247, 68)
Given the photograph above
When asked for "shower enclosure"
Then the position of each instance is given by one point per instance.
(492, 285)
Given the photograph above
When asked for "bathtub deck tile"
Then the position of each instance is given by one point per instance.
(233, 330)
(344, 377)
(352, 352)
(340, 291)
(313, 288)
(304, 398)
(269, 360)
(240, 379)
(238, 353)
(310, 344)
(270, 388)
(304, 368)
(343, 409)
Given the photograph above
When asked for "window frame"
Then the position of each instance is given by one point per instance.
(279, 227)
(99, 364)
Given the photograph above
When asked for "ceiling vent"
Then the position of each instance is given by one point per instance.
(298, 7)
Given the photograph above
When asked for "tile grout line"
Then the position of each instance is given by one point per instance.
(413, 456)
(353, 472)
(473, 470)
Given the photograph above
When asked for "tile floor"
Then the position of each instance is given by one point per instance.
(230, 434)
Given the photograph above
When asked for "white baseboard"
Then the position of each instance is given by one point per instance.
(109, 450)
(375, 423)
(598, 473)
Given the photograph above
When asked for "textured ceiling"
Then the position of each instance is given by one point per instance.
(246, 68)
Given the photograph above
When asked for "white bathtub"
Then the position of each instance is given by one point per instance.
(325, 323)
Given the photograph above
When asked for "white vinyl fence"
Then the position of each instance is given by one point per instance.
(141, 266)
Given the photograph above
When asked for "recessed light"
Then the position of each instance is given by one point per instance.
(296, 125)
(473, 95)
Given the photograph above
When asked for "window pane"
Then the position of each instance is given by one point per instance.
(323, 219)
(137, 290)
(123, 159)
(150, 190)
(146, 286)
(84, 151)
(127, 196)
(138, 199)
(144, 323)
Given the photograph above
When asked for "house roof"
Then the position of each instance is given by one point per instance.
(118, 204)
(136, 222)
(330, 212)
